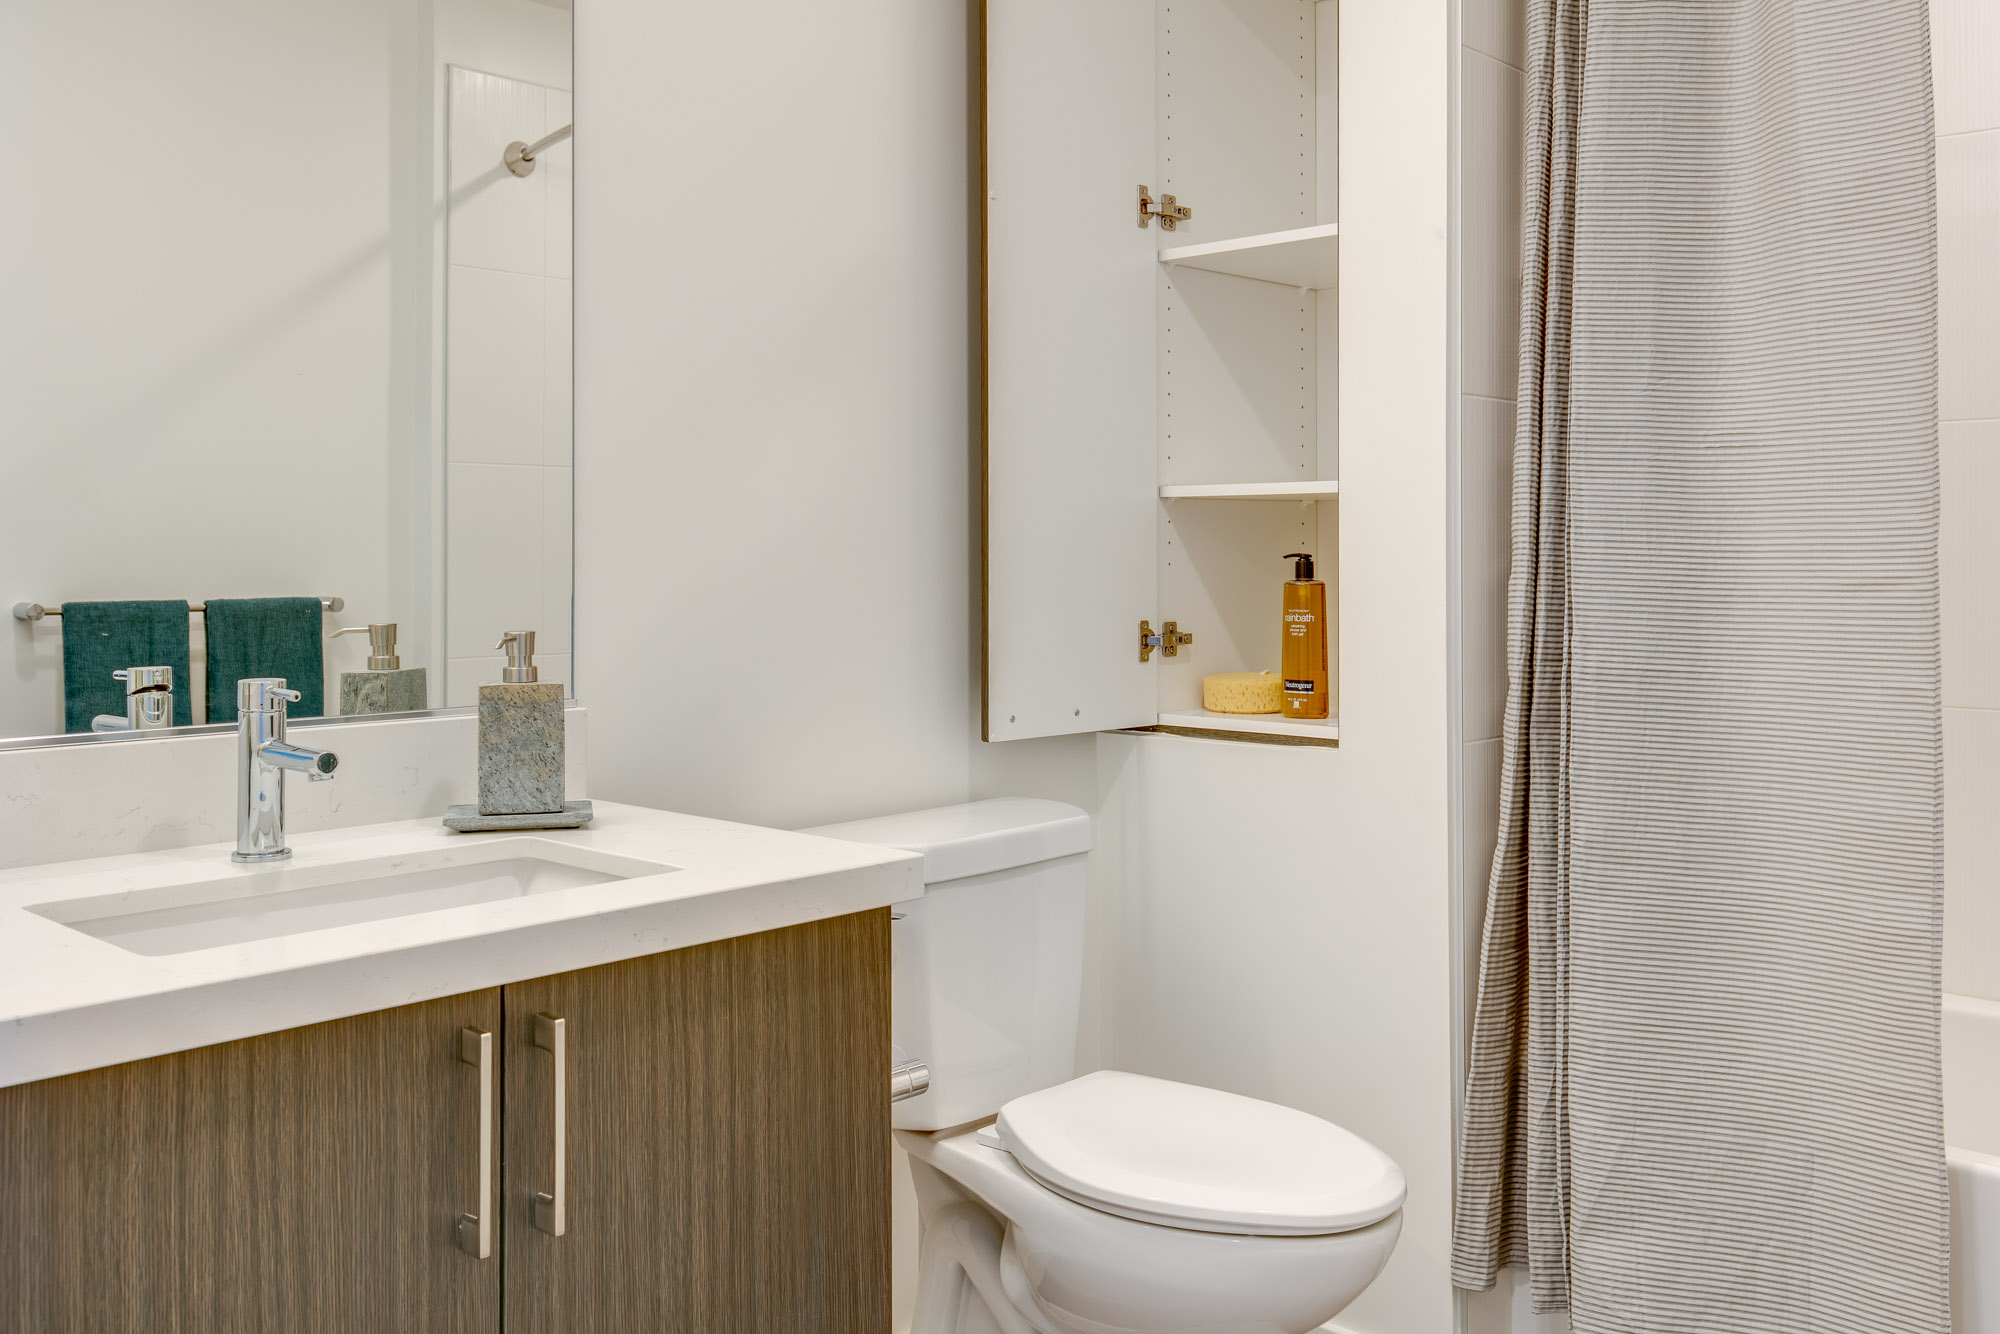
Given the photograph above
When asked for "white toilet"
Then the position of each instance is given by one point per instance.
(1113, 1203)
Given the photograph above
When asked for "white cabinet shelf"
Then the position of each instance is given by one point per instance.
(1304, 257)
(1259, 724)
(1156, 401)
(1252, 491)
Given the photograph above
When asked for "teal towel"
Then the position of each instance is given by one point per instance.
(99, 638)
(250, 637)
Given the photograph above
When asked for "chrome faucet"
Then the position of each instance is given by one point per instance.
(149, 701)
(262, 757)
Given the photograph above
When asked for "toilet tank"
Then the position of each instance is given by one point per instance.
(988, 964)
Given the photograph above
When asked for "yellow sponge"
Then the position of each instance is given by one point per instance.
(1242, 692)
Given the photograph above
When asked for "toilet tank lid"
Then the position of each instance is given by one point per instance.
(977, 837)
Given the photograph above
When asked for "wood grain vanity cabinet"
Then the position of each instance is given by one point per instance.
(725, 1129)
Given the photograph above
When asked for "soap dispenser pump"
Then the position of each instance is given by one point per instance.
(521, 736)
(387, 686)
(520, 668)
(1305, 666)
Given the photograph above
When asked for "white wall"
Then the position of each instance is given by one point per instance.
(776, 546)
(1965, 37)
(774, 282)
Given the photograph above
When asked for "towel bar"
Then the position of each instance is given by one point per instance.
(34, 611)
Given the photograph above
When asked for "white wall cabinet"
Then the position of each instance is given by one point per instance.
(1160, 425)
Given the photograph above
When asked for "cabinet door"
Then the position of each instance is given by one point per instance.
(726, 1121)
(304, 1181)
(1071, 470)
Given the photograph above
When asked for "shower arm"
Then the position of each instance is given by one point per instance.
(520, 157)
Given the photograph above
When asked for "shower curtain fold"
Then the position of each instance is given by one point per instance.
(1704, 1088)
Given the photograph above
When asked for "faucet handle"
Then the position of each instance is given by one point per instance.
(138, 679)
(263, 694)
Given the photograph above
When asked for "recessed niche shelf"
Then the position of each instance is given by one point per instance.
(1303, 257)
(1252, 491)
(1256, 724)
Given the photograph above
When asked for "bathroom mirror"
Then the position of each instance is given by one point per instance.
(287, 332)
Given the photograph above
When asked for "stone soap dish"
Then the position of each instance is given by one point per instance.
(468, 820)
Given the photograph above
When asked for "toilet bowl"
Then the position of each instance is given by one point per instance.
(1113, 1203)
(1133, 1205)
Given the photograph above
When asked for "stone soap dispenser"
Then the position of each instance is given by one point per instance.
(387, 686)
(520, 736)
(521, 745)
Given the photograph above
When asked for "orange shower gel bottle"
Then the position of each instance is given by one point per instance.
(1305, 641)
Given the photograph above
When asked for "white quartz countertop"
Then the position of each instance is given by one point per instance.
(70, 1000)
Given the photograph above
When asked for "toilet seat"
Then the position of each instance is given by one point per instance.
(1197, 1158)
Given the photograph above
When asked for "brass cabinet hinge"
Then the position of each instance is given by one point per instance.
(1169, 211)
(1168, 641)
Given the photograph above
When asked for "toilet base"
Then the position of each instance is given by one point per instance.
(1002, 1254)
(962, 1280)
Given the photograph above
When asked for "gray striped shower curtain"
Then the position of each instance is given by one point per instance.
(1704, 1086)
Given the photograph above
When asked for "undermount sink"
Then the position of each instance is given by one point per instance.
(265, 904)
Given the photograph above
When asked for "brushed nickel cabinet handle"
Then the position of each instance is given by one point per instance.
(475, 1231)
(549, 1036)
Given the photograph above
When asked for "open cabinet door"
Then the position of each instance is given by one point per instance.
(1071, 475)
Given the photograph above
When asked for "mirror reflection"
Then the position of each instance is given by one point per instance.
(286, 385)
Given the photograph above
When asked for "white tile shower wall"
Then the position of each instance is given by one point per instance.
(1486, 481)
(1971, 851)
(1496, 28)
(1965, 39)
(494, 529)
(1491, 107)
(496, 219)
(1964, 36)
(1509, 1309)
(1969, 563)
(1494, 99)
(1968, 186)
(1482, 826)
(507, 375)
